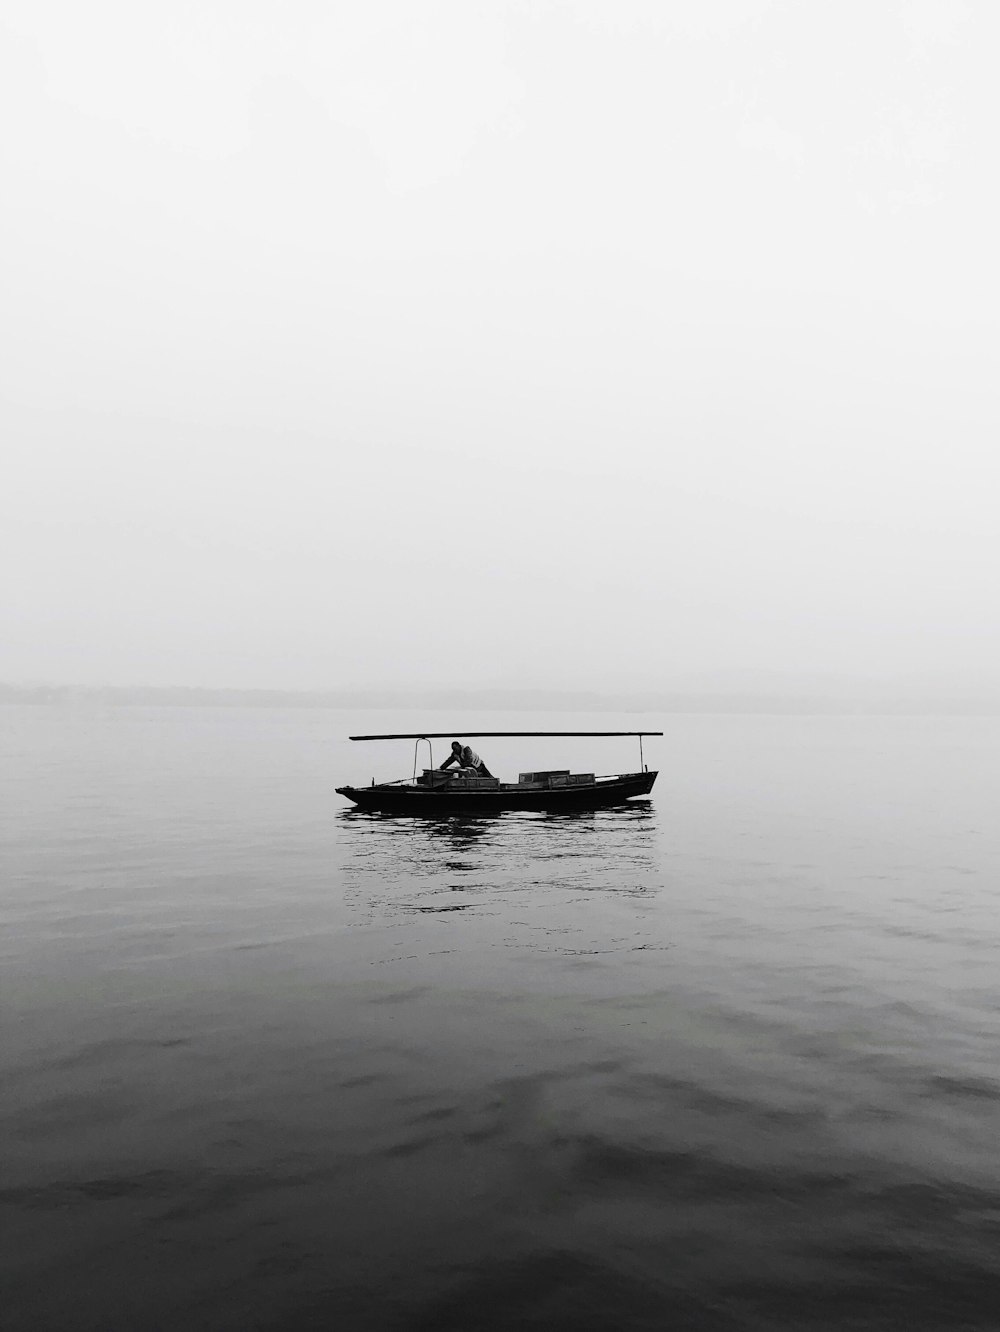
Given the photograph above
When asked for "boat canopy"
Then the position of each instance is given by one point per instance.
(459, 730)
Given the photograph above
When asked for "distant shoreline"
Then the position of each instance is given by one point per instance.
(881, 703)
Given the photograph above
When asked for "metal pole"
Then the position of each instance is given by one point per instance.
(416, 747)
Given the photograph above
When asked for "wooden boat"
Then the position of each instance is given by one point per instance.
(439, 792)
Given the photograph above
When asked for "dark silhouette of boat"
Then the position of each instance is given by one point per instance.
(436, 792)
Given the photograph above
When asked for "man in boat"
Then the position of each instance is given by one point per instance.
(467, 759)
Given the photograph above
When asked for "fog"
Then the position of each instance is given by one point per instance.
(524, 344)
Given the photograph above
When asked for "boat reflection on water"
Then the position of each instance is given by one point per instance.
(393, 864)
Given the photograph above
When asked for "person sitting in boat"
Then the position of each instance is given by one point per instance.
(467, 759)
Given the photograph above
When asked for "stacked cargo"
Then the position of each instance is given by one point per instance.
(468, 777)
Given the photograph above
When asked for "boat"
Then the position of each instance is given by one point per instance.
(437, 792)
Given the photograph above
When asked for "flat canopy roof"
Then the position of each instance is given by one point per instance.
(444, 735)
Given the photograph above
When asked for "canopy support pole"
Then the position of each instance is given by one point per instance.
(430, 750)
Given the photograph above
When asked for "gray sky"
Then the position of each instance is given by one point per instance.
(522, 343)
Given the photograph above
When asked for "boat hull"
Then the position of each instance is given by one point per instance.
(419, 800)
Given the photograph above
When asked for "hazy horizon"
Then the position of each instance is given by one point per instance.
(731, 691)
(542, 345)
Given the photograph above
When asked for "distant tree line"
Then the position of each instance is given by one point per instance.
(452, 701)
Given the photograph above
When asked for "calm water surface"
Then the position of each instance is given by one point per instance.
(727, 1059)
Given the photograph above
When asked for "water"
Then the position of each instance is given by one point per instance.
(724, 1060)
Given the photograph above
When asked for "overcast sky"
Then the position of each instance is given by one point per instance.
(533, 342)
